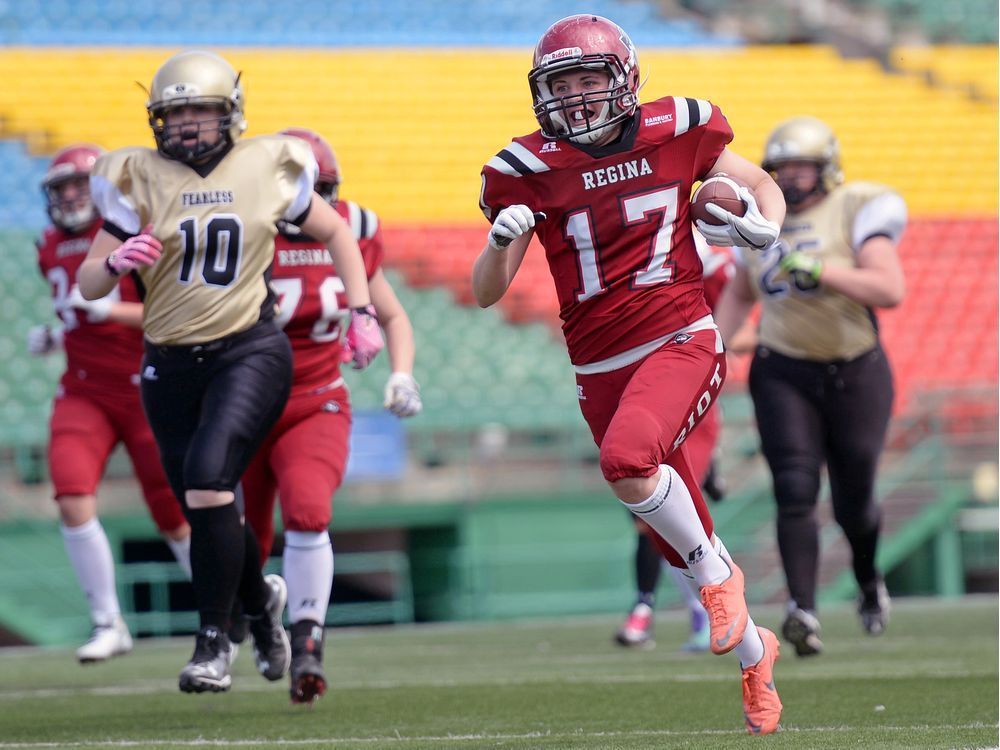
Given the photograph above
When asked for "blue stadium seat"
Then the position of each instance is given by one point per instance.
(497, 23)
(20, 185)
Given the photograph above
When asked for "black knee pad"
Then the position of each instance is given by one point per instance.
(796, 492)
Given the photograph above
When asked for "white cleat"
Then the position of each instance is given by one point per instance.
(105, 642)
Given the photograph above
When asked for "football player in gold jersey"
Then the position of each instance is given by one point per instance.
(820, 382)
(194, 222)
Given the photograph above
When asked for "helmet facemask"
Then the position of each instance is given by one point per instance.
(582, 118)
(327, 190)
(72, 214)
(170, 140)
(795, 195)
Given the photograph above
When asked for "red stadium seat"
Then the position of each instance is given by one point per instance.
(944, 334)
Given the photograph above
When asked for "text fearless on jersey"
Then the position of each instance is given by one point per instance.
(206, 197)
(626, 170)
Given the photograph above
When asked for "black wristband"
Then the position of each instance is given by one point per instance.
(368, 310)
(110, 268)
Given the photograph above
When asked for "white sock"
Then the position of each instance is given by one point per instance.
(308, 569)
(688, 588)
(90, 555)
(751, 648)
(182, 551)
(670, 512)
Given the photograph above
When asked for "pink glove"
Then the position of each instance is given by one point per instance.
(141, 250)
(364, 338)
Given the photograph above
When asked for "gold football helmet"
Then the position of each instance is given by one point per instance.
(805, 139)
(195, 78)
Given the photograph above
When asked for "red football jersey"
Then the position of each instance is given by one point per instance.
(311, 297)
(98, 355)
(617, 235)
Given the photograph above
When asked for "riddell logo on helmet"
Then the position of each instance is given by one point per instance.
(180, 89)
(562, 54)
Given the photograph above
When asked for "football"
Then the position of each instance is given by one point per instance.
(723, 191)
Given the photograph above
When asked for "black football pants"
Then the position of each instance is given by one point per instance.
(210, 406)
(815, 413)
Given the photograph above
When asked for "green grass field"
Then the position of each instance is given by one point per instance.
(930, 682)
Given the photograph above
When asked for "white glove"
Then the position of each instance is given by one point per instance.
(44, 340)
(720, 235)
(510, 224)
(750, 230)
(97, 310)
(402, 395)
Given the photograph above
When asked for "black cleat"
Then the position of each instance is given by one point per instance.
(271, 649)
(801, 628)
(873, 606)
(208, 669)
(307, 679)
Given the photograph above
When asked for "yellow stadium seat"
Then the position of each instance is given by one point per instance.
(411, 146)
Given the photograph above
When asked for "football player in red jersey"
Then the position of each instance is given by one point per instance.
(606, 185)
(97, 402)
(304, 457)
(637, 630)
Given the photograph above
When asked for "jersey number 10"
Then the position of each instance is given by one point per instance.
(220, 263)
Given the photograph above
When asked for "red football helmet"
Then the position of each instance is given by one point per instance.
(71, 210)
(328, 182)
(591, 43)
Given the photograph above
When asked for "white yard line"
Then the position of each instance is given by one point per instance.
(402, 740)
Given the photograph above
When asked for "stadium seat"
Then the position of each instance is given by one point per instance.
(427, 172)
(394, 23)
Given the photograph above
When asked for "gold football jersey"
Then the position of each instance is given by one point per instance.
(803, 319)
(217, 230)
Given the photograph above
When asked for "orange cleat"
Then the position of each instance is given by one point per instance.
(727, 611)
(761, 704)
